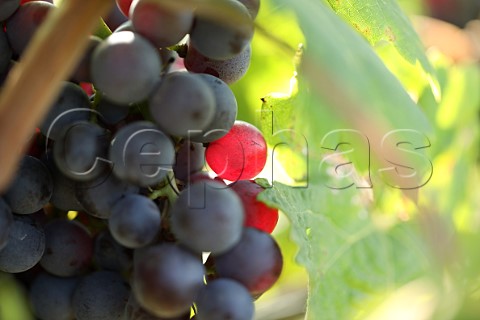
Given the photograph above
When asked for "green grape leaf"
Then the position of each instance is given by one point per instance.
(354, 259)
(385, 26)
(343, 88)
(343, 85)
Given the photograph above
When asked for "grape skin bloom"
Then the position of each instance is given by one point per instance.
(125, 67)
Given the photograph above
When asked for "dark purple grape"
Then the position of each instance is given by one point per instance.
(99, 196)
(68, 248)
(225, 111)
(207, 217)
(101, 295)
(135, 221)
(230, 70)
(80, 151)
(7, 8)
(141, 154)
(256, 261)
(224, 299)
(166, 279)
(23, 24)
(190, 159)
(25, 245)
(224, 36)
(72, 105)
(32, 187)
(6, 221)
(125, 67)
(108, 254)
(51, 297)
(161, 22)
(182, 104)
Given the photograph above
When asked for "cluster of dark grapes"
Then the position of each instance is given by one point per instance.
(111, 214)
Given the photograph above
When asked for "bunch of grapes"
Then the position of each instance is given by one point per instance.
(111, 214)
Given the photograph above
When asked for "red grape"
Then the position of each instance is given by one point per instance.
(240, 155)
(25, 1)
(257, 214)
(124, 6)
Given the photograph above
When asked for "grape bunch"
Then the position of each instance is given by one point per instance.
(112, 213)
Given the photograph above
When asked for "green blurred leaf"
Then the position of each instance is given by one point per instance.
(354, 257)
(343, 85)
(270, 66)
(354, 261)
(385, 26)
(13, 300)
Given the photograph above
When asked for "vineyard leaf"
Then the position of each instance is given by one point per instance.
(384, 25)
(344, 85)
(352, 262)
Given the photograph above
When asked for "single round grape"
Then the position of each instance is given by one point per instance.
(80, 151)
(108, 254)
(97, 197)
(225, 111)
(101, 295)
(7, 8)
(161, 22)
(229, 70)
(166, 279)
(68, 248)
(240, 155)
(182, 104)
(141, 154)
(125, 67)
(223, 36)
(51, 297)
(25, 245)
(224, 299)
(190, 159)
(207, 217)
(5, 51)
(82, 71)
(258, 214)
(31, 188)
(6, 221)
(256, 261)
(23, 24)
(72, 105)
(135, 221)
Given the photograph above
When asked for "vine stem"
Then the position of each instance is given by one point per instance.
(35, 82)
(169, 190)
